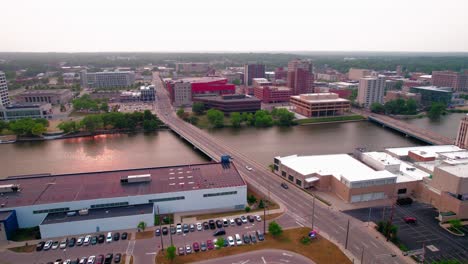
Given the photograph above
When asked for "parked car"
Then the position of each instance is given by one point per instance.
(231, 241)
(251, 218)
(48, 245)
(225, 222)
(109, 237)
(40, 246)
(91, 259)
(173, 230)
(284, 185)
(203, 246)
(238, 239)
(100, 259)
(181, 251)
(116, 236)
(86, 240)
(188, 249)
(244, 219)
(225, 242)
(196, 247)
(199, 227)
(93, 240)
(253, 238)
(260, 235)
(117, 258)
(238, 221)
(83, 260)
(165, 231)
(72, 242)
(206, 226)
(108, 259)
(55, 245)
(157, 232)
(192, 228)
(124, 236)
(232, 222)
(246, 238)
(185, 228)
(248, 168)
(215, 243)
(101, 238)
(219, 232)
(219, 223)
(410, 220)
(179, 229)
(63, 243)
(79, 241)
(258, 218)
(209, 244)
(212, 224)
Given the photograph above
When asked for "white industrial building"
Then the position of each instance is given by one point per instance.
(212, 186)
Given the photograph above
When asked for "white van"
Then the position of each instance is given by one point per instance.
(109, 237)
(238, 240)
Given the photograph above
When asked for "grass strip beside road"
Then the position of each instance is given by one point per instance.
(315, 120)
(320, 250)
(144, 235)
(23, 249)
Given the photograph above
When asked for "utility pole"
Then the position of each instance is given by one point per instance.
(159, 218)
(170, 233)
(347, 234)
(313, 212)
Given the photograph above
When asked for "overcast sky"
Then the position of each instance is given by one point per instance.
(241, 25)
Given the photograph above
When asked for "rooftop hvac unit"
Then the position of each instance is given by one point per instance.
(136, 178)
(9, 188)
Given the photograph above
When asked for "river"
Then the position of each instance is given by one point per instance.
(447, 125)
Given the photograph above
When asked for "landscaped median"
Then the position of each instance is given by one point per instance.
(330, 119)
(319, 250)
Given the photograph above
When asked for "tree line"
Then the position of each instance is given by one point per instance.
(113, 120)
(26, 126)
(396, 107)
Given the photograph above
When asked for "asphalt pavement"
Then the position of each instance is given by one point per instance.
(267, 256)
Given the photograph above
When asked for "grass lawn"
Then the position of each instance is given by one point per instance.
(330, 119)
(144, 235)
(23, 249)
(320, 250)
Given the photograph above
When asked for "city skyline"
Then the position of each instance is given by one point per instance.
(145, 26)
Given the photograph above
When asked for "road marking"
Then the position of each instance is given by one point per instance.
(372, 242)
(299, 224)
(286, 254)
(365, 245)
(284, 260)
(130, 247)
(151, 253)
(340, 227)
(264, 261)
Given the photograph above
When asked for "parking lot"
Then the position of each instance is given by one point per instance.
(438, 243)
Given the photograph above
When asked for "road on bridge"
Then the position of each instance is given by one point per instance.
(330, 223)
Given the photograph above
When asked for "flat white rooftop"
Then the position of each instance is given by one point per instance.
(401, 152)
(338, 165)
(460, 170)
(383, 158)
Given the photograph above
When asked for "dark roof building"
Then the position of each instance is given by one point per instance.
(230, 103)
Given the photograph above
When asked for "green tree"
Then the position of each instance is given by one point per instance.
(436, 110)
(261, 204)
(251, 199)
(92, 122)
(38, 129)
(236, 119)
(247, 209)
(455, 223)
(104, 107)
(377, 108)
(399, 85)
(215, 117)
(263, 119)
(68, 126)
(198, 108)
(141, 225)
(236, 82)
(3, 125)
(275, 229)
(171, 253)
(353, 95)
(285, 118)
(193, 120)
(411, 106)
(181, 112)
(220, 242)
(150, 125)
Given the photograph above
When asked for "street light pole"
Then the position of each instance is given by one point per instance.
(264, 218)
(161, 235)
(313, 212)
(347, 234)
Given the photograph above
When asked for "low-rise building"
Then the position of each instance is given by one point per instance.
(25, 110)
(256, 82)
(394, 95)
(433, 94)
(52, 96)
(109, 79)
(319, 104)
(230, 103)
(273, 94)
(357, 74)
(58, 202)
(192, 67)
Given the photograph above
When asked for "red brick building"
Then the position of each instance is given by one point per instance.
(300, 78)
(272, 94)
(457, 81)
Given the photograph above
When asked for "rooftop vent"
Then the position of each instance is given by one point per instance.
(9, 188)
(136, 178)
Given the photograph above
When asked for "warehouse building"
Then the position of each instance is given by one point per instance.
(40, 200)
(51, 96)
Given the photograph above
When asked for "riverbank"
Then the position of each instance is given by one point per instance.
(332, 119)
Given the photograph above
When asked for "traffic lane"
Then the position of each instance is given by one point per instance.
(68, 253)
(267, 256)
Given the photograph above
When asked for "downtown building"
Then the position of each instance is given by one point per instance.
(192, 67)
(357, 74)
(115, 79)
(252, 71)
(4, 98)
(455, 80)
(300, 77)
(230, 103)
(52, 96)
(272, 94)
(80, 203)
(462, 136)
(319, 104)
(371, 90)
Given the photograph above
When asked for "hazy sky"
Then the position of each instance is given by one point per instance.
(241, 25)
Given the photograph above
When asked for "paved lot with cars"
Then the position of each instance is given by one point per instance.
(438, 243)
(270, 256)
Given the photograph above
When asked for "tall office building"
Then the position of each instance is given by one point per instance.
(300, 77)
(253, 71)
(356, 74)
(462, 137)
(371, 90)
(457, 81)
(4, 99)
(107, 79)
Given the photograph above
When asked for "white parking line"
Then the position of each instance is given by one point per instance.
(299, 224)
(284, 260)
(264, 261)
(151, 253)
(286, 254)
(130, 247)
